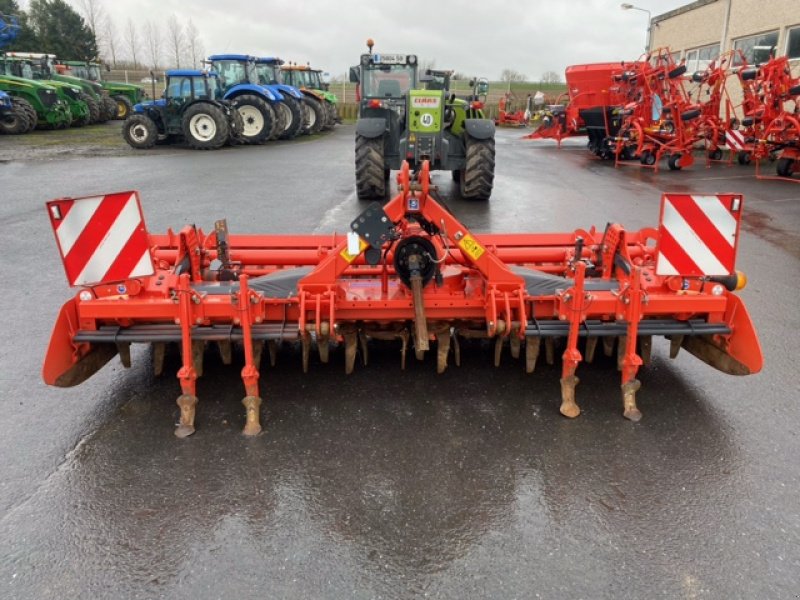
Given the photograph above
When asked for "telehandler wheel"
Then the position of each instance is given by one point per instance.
(94, 109)
(205, 126)
(370, 182)
(124, 107)
(14, 122)
(109, 108)
(295, 118)
(258, 118)
(140, 131)
(316, 115)
(477, 176)
(27, 107)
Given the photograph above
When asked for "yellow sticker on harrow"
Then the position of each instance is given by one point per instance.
(351, 257)
(470, 246)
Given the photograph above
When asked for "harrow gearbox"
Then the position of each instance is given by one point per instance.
(409, 271)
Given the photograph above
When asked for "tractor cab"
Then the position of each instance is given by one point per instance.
(437, 80)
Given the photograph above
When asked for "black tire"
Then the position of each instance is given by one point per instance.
(370, 182)
(205, 126)
(236, 124)
(315, 119)
(784, 167)
(677, 71)
(330, 115)
(295, 118)
(715, 154)
(94, 109)
(674, 162)
(86, 119)
(279, 119)
(109, 108)
(477, 176)
(258, 118)
(30, 112)
(124, 107)
(14, 122)
(698, 76)
(748, 74)
(647, 158)
(743, 157)
(794, 90)
(456, 174)
(690, 114)
(140, 131)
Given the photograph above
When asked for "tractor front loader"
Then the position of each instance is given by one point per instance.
(192, 109)
(408, 271)
(398, 121)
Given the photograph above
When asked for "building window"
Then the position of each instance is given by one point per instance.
(793, 43)
(756, 48)
(699, 58)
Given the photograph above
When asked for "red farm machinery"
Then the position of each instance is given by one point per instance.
(507, 116)
(408, 271)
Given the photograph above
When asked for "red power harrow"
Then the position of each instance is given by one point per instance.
(507, 116)
(407, 271)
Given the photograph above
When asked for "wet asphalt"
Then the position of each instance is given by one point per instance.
(391, 484)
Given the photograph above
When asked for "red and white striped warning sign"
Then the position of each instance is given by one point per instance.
(698, 235)
(734, 139)
(101, 238)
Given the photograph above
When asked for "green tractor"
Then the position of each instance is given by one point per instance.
(309, 81)
(398, 120)
(191, 109)
(73, 96)
(124, 95)
(101, 107)
(41, 103)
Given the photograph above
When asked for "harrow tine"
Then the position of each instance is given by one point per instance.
(187, 374)
(630, 411)
(675, 343)
(404, 337)
(442, 334)
(198, 352)
(225, 351)
(622, 346)
(532, 345)
(350, 335)
(159, 351)
(323, 347)
(305, 342)
(362, 339)
(258, 350)
(569, 408)
(456, 348)
(498, 350)
(250, 375)
(550, 350)
(608, 346)
(515, 342)
(646, 348)
(124, 349)
(272, 347)
(591, 347)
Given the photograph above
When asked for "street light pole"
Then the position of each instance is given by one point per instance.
(626, 6)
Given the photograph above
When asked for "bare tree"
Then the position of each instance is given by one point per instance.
(175, 39)
(95, 17)
(194, 44)
(152, 43)
(110, 34)
(132, 41)
(511, 76)
(551, 77)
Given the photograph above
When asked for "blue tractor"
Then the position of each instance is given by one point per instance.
(305, 110)
(269, 111)
(191, 109)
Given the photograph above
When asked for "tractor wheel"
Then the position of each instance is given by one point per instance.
(14, 122)
(236, 125)
(370, 183)
(744, 157)
(674, 162)
(140, 131)
(258, 118)
(124, 107)
(477, 176)
(279, 119)
(86, 119)
(785, 167)
(30, 112)
(109, 108)
(94, 109)
(205, 126)
(294, 118)
(330, 115)
(316, 115)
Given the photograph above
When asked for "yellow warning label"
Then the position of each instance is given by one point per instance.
(470, 246)
(351, 257)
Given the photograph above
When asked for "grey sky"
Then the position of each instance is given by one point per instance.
(474, 38)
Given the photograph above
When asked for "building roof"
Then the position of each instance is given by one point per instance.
(682, 9)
